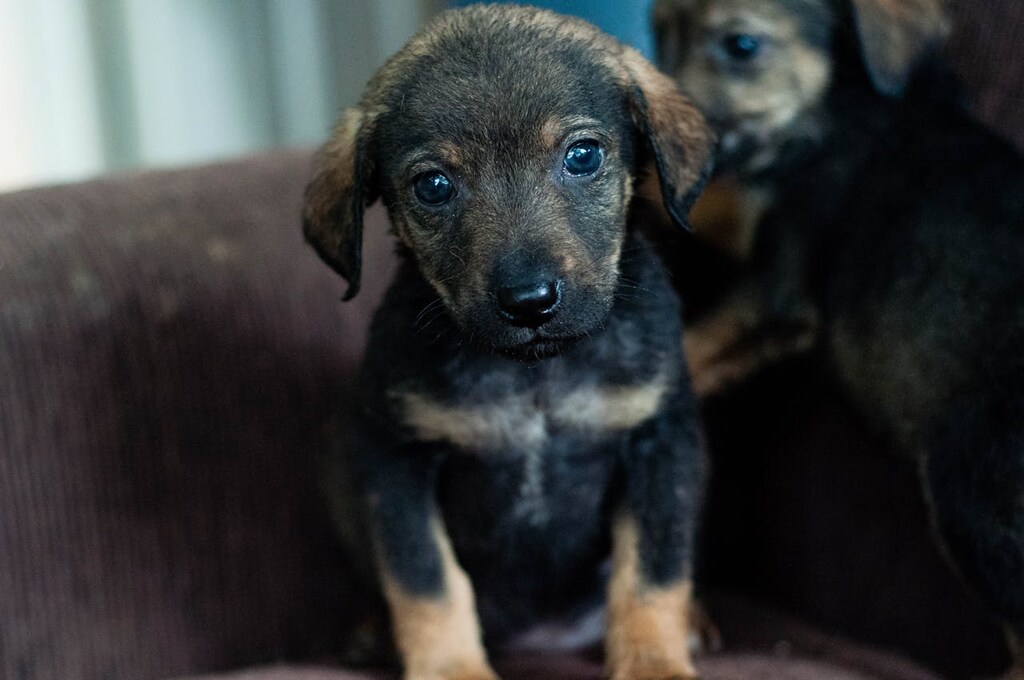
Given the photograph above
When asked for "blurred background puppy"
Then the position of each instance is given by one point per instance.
(877, 222)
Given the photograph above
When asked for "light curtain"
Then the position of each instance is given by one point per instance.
(90, 86)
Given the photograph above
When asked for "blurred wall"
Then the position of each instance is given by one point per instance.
(88, 86)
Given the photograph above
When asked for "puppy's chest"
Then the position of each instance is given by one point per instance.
(497, 415)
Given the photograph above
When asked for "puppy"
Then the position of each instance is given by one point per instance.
(523, 408)
(890, 226)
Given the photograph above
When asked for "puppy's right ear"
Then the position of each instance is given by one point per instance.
(332, 218)
(679, 137)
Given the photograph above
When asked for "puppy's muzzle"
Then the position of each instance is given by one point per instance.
(530, 299)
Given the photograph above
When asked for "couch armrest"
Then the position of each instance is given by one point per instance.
(169, 350)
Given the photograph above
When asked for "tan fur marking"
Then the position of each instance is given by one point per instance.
(517, 422)
(570, 262)
(614, 258)
(813, 72)
(628, 189)
(452, 155)
(513, 422)
(553, 130)
(551, 133)
(647, 626)
(731, 343)
(612, 408)
(727, 214)
(439, 638)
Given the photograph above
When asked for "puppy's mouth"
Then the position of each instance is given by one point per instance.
(540, 345)
(537, 336)
(573, 324)
(739, 142)
(752, 146)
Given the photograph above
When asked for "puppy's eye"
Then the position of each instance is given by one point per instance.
(433, 188)
(741, 46)
(583, 158)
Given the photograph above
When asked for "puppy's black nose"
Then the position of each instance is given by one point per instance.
(530, 304)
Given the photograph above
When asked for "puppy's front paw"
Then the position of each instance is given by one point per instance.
(647, 625)
(651, 652)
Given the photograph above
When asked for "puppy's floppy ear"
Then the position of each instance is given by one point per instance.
(895, 34)
(680, 139)
(332, 218)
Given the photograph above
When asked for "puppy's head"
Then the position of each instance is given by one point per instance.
(759, 69)
(505, 142)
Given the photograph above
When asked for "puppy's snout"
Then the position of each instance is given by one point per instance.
(530, 301)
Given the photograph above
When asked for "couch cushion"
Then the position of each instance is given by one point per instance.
(734, 667)
(760, 643)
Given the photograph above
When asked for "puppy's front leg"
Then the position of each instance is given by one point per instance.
(652, 536)
(433, 610)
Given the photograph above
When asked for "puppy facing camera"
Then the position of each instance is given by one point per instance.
(523, 409)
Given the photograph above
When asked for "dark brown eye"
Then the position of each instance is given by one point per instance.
(433, 188)
(583, 158)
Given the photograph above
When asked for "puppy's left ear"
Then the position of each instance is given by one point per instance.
(895, 34)
(680, 140)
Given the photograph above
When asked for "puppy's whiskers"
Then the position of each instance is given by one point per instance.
(453, 251)
(430, 307)
(625, 282)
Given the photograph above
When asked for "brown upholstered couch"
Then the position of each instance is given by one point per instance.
(170, 352)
